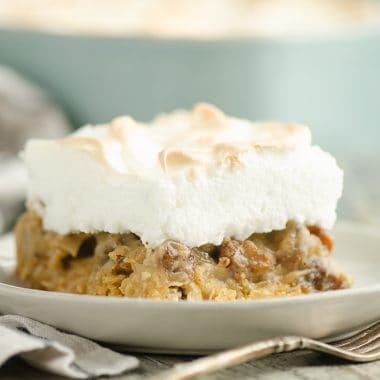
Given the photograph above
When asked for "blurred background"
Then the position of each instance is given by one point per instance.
(64, 63)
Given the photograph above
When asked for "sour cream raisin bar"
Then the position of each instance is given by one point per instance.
(194, 206)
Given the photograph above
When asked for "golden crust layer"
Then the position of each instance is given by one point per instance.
(288, 262)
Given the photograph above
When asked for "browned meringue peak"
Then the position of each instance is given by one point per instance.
(207, 116)
(202, 137)
(172, 158)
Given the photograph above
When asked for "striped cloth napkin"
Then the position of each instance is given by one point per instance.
(51, 350)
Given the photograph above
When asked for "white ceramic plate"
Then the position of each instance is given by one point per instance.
(205, 326)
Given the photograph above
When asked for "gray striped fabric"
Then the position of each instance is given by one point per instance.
(54, 351)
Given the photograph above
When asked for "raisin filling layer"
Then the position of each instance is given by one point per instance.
(288, 262)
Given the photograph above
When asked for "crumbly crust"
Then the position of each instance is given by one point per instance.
(288, 262)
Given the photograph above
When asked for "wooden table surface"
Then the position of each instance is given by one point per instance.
(360, 202)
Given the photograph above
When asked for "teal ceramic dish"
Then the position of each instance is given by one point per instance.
(330, 82)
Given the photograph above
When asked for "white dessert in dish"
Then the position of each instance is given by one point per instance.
(195, 205)
(189, 19)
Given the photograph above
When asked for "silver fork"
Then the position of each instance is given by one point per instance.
(364, 346)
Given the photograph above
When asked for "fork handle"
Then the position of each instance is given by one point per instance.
(226, 359)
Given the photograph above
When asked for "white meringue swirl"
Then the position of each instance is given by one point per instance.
(204, 137)
(196, 177)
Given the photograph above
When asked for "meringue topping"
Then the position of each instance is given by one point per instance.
(195, 177)
(201, 138)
